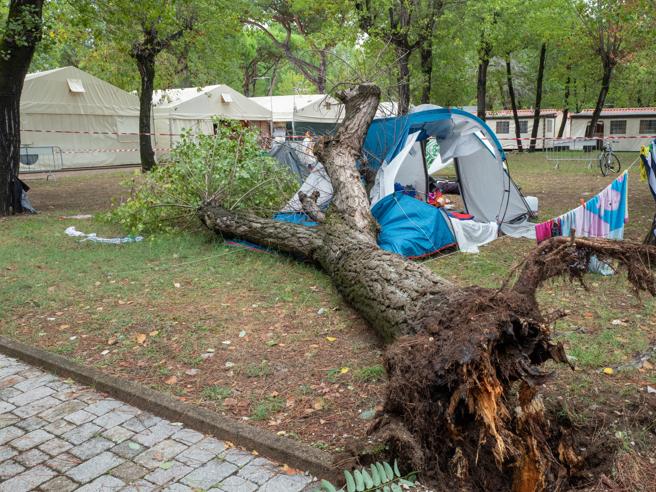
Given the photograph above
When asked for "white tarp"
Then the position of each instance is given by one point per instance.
(318, 180)
(71, 118)
(471, 234)
(309, 108)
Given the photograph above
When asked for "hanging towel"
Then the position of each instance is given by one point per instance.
(543, 231)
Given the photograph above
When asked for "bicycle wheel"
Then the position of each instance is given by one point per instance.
(614, 163)
(604, 163)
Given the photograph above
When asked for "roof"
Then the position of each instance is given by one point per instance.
(69, 90)
(206, 102)
(522, 113)
(614, 112)
(318, 108)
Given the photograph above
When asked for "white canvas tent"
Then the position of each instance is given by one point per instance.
(194, 108)
(71, 119)
(312, 108)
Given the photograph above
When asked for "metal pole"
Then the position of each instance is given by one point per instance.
(293, 111)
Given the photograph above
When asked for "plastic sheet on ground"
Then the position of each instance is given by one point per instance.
(71, 231)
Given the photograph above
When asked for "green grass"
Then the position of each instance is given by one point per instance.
(266, 407)
(216, 393)
(370, 374)
(260, 370)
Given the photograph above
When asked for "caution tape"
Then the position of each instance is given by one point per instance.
(579, 139)
(93, 151)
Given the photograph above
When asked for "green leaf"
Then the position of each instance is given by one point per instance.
(350, 483)
(386, 489)
(327, 486)
(367, 479)
(388, 471)
(359, 480)
(375, 475)
(396, 488)
(409, 483)
(381, 472)
(396, 469)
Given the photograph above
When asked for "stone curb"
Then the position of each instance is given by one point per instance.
(280, 449)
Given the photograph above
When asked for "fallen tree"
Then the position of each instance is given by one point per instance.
(463, 403)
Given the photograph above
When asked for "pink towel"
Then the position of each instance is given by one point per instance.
(543, 231)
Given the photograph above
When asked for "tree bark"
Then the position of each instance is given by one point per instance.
(454, 354)
(403, 78)
(513, 104)
(146, 65)
(538, 97)
(21, 35)
(481, 84)
(565, 111)
(601, 99)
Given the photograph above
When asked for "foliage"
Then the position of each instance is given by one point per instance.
(379, 477)
(268, 406)
(216, 392)
(228, 169)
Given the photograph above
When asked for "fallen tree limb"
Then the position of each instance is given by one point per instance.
(455, 354)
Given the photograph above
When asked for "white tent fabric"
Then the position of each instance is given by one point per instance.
(193, 109)
(406, 160)
(318, 180)
(309, 108)
(471, 234)
(91, 122)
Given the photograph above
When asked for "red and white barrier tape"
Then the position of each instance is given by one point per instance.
(94, 151)
(579, 139)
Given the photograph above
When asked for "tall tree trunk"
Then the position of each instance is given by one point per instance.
(455, 353)
(17, 48)
(426, 58)
(146, 64)
(403, 78)
(565, 111)
(513, 104)
(601, 99)
(481, 83)
(538, 97)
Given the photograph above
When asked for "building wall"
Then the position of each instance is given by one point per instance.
(579, 125)
(547, 128)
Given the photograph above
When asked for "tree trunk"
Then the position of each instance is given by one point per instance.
(601, 99)
(455, 354)
(538, 97)
(17, 51)
(403, 79)
(513, 104)
(426, 57)
(481, 86)
(146, 63)
(563, 122)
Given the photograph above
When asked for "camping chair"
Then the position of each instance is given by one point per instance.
(648, 173)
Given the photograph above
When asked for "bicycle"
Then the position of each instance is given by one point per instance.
(608, 160)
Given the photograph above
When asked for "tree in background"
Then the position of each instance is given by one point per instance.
(19, 36)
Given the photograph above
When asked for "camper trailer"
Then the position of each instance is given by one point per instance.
(503, 124)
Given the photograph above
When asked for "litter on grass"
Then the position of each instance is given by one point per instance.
(71, 231)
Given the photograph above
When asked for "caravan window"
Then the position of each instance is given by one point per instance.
(648, 127)
(618, 127)
(550, 123)
(523, 126)
(503, 127)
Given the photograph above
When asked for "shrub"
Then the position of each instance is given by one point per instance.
(227, 169)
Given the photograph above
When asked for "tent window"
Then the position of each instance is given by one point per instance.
(127, 128)
(523, 126)
(226, 97)
(648, 127)
(75, 85)
(503, 127)
(618, 127)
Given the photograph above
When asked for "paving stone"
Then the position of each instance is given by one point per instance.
(155, 434)
(10, 371)
(286, 483)
(104, 406)
(36, 407)
(6, 407)
(30, 396)
(141, 422)
(141, 486)
(259, 471)
(10, 433)
(7, 419)
(10, 468)
(32, 458)
(62, 410)
(35, 382)
(59, 427)
(11, 381)
(80, 417)
(32, 423)
(59, 385)
(7, 393)
(177, 487)
(118, 434)
(96, 466)
(188, 436)
(55, 446)
(128, 449)
(113, 418)
(7, 452)
(28, 480)
(91, 448)
(195, 456)
(237, 484)
(161, 452)
(78, 435)
(63, 462)
(161, 476)
(129, 472)
(105, 483)
(59, 484)
(237, 457)
(209, 474)
(31, 440)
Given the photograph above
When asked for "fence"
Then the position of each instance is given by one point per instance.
(41, 158)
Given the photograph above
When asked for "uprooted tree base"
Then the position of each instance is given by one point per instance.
(463, 364)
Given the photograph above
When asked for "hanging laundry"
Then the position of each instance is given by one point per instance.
(543, 231)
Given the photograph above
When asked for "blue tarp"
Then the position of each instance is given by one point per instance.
(411, 227)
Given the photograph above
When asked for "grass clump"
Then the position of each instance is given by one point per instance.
(215, 393)
(267, 407)
(370, 374)
(260, 370)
